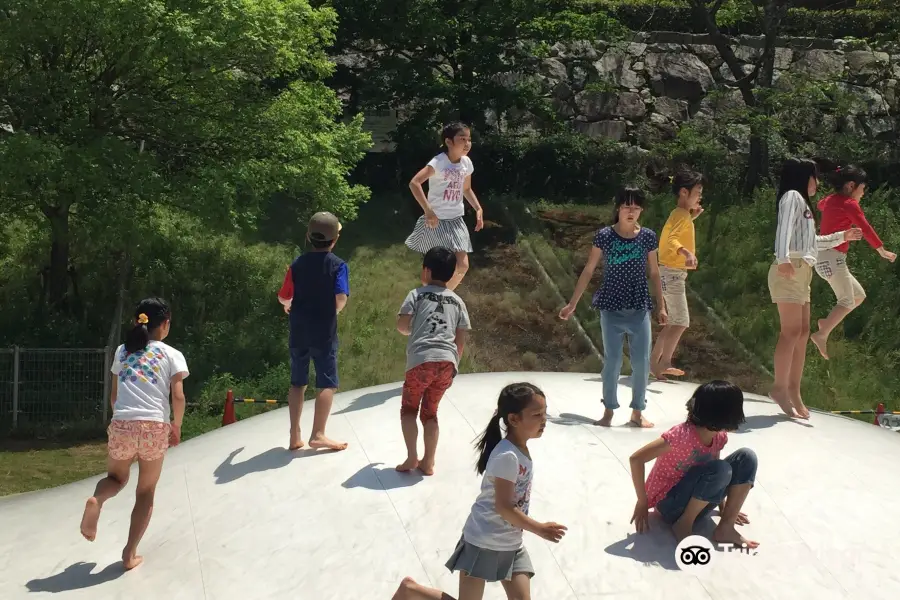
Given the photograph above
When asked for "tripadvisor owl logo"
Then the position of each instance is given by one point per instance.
(695, 553)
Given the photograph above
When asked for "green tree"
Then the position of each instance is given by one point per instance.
(440, 60)
(209, 106)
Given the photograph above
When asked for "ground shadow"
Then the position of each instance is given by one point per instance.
(274, 458)
(78, 576)
(655, 547)
(372, 477)
(626, 381)
(754, 422)
(571, 419)
(370, 400)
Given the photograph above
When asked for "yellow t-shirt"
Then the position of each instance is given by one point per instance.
(677, 233)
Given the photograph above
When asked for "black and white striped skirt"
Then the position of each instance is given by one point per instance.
(450, 233)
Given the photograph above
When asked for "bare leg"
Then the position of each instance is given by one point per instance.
(668, 353)
(518, 588)
(470, 588)
(411, 437)
(462, 267)
(797, 364)
(725, 531)
(295, 407)
(116, 477)
(432, 432)
(828, 324)
(324, 400)
(659, 349)
(791, 316)
(410, 590)
(148, 477)
(685, 523)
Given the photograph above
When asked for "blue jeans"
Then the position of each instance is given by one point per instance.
(709, 482)
(616, 325)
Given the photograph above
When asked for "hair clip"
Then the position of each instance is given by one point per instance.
(671, 179)
(142, 319)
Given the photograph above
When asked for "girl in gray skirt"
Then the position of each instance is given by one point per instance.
(449, 177)
(490, 548)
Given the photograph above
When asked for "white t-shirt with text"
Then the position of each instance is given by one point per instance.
(485, 527)
(144, 380)
(445, 187)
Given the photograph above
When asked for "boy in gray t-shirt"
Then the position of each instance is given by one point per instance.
(436, 321)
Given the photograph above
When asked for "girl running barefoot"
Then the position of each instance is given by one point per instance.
(796, 252)
(688, 478)
(624, 301)
(147, 371)
(677, 256)
(449, 176)
(841, 211)
(490, 548)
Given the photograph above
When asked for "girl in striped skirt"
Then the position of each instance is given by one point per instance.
(449, 176)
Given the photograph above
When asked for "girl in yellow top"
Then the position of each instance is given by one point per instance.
(676, 257)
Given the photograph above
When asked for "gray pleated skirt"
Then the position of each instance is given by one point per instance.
(450, 233)
(489, 565)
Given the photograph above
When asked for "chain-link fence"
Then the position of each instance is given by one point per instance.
(48, 389)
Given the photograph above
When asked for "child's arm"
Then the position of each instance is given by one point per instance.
(113, 394)
(469, 193)
(340, 302)
(342, 287)
(461, 335)
(405, 314)
(583, 281)
(286, 293)
(415, 186)
(638, 460)
(675, 245)
(505, 505)
(178, 404)
(858, 218)
(656, 280)
(404, 324)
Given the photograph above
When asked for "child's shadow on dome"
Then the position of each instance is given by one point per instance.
(77, 576)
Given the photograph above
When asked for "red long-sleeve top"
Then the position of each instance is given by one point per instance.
(839, 213)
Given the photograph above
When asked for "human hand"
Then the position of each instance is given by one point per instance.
(431, 219)
(786, 270)
(174, 434)
(552, 532)
(287, 308)
(889, 256)
(567, 311)
(742, 519)
(854, 233)
(479, 220)
(696, 212)
(662, 316)
(641, 517)
(689, 259)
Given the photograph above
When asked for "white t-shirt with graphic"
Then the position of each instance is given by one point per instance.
(485, 527)
(445, 187)
(144, 380)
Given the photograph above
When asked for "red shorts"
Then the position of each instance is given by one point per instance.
(425, 385)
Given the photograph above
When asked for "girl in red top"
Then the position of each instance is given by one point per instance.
(841, 211)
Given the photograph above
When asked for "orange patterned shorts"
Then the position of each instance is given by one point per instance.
(147, 440)
(424, 388)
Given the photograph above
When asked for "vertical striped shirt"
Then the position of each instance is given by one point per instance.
(796, 234)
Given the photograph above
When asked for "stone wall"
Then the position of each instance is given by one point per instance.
(659, 80)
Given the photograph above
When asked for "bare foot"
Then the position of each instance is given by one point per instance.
(657, 372)
(640, 421)
(727, 534)
(130, 560)
(783, 401)
(89, 519)
(821, 341)
(296, 445)
(606, 421)
(799, 407)
(673, 372)
(427, 467)
(408, 465)
(321, 441)
(681, 528)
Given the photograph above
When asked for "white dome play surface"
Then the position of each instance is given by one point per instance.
(239, 517)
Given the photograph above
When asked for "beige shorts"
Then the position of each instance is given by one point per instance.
(146, 440)
(675, 295)
(832, 267)
(794, 290)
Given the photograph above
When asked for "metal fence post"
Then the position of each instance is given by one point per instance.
(106, 383)
(15, 407)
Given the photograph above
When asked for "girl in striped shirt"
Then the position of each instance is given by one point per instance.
(449, 177)
(796, 252)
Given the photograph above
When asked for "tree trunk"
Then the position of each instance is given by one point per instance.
(58, 273)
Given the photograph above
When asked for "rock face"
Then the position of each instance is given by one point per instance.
(629, 91)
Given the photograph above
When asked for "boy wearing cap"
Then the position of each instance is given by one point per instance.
(314, 291)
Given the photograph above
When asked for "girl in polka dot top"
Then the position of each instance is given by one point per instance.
(627, 249)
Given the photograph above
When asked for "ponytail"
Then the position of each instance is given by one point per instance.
(149, 315)
(514, 398)
(683, 177)
(840, 175)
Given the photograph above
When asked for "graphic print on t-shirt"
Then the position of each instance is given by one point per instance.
(437, 321)
(696, 457)
(523, 490)
(143, 365)
(454, 178)
(621, 251)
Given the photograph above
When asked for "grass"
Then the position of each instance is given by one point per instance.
(513, 314)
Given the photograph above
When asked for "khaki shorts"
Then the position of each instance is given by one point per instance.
(832, 267)
(791, 291)
(675, 295)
